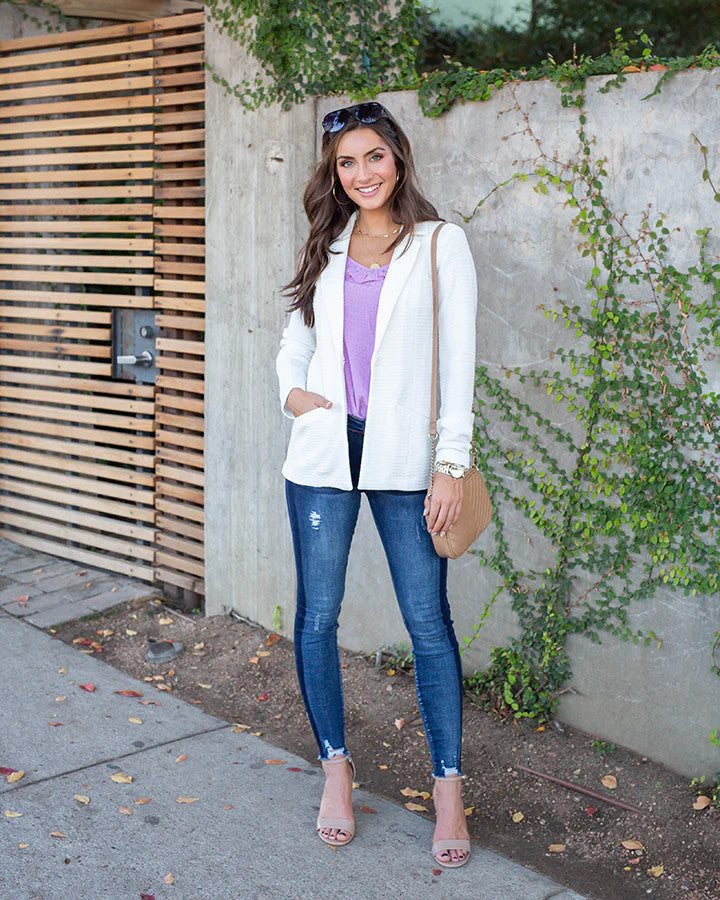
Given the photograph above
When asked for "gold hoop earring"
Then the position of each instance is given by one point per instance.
(340, 202)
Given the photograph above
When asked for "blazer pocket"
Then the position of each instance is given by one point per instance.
(309, 412)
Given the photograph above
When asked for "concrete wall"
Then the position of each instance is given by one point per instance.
(662, 703)
(13, 25)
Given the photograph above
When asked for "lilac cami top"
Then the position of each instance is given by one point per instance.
(361, 296)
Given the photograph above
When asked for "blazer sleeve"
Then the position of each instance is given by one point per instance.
(457, 308)
(297, 346)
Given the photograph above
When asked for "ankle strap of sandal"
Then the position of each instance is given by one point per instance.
(338, 758)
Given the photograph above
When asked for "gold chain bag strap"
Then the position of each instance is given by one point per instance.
(476, 509)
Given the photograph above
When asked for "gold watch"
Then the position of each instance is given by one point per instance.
(448, 468)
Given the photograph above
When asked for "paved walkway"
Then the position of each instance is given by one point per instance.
(250, 832)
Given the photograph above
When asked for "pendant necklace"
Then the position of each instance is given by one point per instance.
(376, 259)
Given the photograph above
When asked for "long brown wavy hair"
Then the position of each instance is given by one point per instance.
(328, 215)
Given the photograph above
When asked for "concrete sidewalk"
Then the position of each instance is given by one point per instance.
(250, 832)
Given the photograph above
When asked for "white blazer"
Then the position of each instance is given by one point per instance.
(396, 445)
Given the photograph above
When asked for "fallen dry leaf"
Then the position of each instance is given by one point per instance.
(21, 600)
(254, 660)
(57, 834)
(169, 878)
(265, 696)
(632, 845)
(11, 814)
(468, 810)
(415, 807)
(14, 776)
(701, 802)
(181, 758)
(187, 799)
(263, 653)
(206, 686)
(237, 728)
(272, 638)
(135, 720)
(130, 632)
(23, 846)
(391, 671)
(610, 781)
(274, 762)
(88, 687)
(125, 810)
(411, 792)
(382, 767)
(81, 798)
(656, 871)
(367, 809)
(141, 801)
(127, 693)
(399, 723)
(61, 698)
(229, 806)
(518, 816)
(55, 724)
(556, 848)
(166, 620)
(121, 778)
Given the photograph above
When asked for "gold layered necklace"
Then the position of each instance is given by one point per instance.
(376, 264)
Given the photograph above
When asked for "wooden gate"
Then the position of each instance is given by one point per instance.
(102, 220)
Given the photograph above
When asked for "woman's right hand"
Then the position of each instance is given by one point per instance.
(300, 401)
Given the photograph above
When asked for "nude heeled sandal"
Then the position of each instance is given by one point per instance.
(334, 822)
(450, 843)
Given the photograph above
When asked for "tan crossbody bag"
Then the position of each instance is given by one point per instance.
(476, 509)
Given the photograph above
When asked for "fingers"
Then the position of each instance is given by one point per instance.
(442, 507)
(322, 401)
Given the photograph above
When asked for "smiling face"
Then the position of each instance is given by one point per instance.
(366, 168)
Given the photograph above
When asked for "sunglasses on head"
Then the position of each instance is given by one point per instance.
(367, 113)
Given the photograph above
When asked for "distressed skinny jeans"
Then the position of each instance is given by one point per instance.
(322, 521)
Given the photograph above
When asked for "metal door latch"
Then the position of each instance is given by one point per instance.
(133, 345)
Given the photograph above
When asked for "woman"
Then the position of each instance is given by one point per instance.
(354, 370)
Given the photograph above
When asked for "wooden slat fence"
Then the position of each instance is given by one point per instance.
(102, 207)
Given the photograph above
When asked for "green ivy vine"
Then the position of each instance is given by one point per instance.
(314, 47)
(628, 497)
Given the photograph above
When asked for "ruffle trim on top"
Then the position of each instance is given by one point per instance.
(360, 274)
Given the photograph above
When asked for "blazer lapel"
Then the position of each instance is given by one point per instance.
(397, 274)
(333, 283)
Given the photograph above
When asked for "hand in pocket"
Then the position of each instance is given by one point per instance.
(299, 401)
